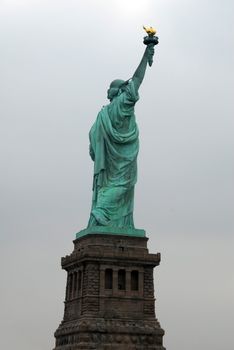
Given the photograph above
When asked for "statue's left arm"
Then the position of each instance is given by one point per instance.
(139, 74)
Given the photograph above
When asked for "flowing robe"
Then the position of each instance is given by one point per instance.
(114, 147)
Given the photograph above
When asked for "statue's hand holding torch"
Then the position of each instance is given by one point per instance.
(151, 40)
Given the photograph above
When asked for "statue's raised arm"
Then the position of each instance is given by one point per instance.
(150, 41)
(114, 146)
(139, 74)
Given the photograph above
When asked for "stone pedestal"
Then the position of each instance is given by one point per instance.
(109, 300)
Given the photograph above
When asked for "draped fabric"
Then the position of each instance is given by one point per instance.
(114, 147)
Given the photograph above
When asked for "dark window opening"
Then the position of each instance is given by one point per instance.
(108, 278)
(75, 284)
(134, 280)
(67, 286)
(79, 280)
(70, 285)
(121, 280)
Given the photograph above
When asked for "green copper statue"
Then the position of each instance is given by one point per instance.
(114, 147)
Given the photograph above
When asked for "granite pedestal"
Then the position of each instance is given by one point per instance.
(110, 301)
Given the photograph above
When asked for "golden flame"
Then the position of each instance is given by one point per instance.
(150, 30)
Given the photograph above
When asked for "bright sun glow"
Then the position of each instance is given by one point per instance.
(131, 8)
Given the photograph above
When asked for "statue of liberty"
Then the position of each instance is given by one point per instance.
(114, 146)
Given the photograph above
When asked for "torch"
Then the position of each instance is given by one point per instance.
(151, 39)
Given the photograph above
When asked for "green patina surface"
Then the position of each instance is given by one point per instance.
(114, 146)
(106, 230)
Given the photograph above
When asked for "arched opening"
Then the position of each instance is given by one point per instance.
(134, 280)
(108, 279)
(121, 280)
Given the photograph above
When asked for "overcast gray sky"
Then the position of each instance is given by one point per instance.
(57, 59)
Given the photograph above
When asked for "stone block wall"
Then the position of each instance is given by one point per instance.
(110, 301)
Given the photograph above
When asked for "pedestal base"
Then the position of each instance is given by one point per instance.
(110, 334)
(110, 295)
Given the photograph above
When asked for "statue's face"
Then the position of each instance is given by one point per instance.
(114, 88)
